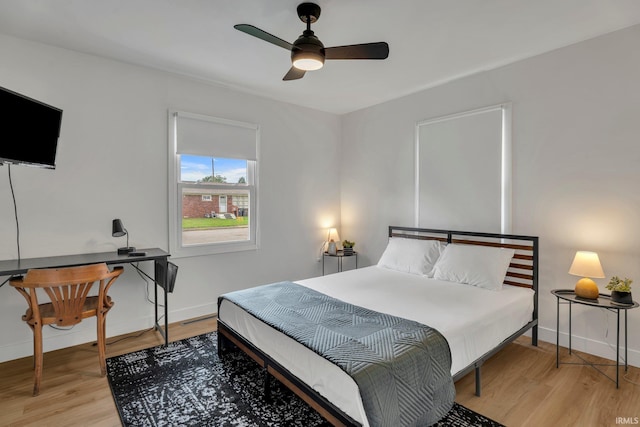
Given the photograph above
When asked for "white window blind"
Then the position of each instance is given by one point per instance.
(202, 135)
(463, 171)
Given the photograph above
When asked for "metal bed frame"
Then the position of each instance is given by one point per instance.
(522, 272)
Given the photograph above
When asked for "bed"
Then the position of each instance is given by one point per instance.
(440, 288)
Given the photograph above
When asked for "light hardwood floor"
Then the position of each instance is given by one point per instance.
(521, 387)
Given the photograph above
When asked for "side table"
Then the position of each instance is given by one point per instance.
(569, 297)
(340, 255)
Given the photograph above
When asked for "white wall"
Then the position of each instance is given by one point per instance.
(112, 163)
(576, 168)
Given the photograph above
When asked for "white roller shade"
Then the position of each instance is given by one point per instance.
(460, 172)
(208, 136)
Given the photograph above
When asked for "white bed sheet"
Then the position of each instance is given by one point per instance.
(473, 320)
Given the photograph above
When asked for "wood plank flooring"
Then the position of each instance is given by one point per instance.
(521, 387)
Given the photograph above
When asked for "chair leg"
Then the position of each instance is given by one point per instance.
(34, 346)
(37, 358)
(35, 350)
(102, 344)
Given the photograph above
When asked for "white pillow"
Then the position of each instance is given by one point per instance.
(481, 266)
(413, 256)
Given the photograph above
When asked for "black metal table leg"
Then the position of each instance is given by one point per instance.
(617, 348)
(626, 347)
(570, 327)
(557, 332)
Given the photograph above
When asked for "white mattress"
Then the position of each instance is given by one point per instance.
(473, 320)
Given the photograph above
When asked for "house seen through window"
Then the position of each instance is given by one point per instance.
(216, 208)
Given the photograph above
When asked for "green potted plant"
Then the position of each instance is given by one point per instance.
(347, 247)
(620, 290)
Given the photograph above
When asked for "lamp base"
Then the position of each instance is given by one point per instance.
(125, 251)
(587, 289)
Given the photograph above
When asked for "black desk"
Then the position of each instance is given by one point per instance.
(158, 256)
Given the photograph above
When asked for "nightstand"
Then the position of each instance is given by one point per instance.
(340, 256)
(568, 297)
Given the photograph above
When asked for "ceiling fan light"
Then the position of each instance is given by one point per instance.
(308, 64)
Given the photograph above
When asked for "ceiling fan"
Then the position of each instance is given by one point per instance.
(307, 52)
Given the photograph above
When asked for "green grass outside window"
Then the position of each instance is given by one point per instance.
(196, 223)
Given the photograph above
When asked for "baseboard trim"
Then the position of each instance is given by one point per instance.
(85, 331)
(597, 348)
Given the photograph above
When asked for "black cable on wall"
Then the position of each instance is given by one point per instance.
(15, 210)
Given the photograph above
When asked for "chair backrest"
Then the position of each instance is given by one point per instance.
(67, 289)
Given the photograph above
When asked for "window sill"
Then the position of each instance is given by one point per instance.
(212, 249)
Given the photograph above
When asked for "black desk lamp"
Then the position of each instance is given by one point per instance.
(118, 230)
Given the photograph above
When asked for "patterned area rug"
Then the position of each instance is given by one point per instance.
(186, 384)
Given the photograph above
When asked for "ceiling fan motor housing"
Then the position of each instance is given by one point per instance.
(308, 12)
(308, 47)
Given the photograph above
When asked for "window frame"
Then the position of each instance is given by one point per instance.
(176, 187)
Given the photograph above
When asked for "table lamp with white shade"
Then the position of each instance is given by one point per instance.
(587, 265)
(333, 240)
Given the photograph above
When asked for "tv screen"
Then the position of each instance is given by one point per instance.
(29, 130)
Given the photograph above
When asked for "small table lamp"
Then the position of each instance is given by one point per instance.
(586, 264)
(332, 241)
(118, 230)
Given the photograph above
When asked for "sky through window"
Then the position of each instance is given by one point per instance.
(194, 168)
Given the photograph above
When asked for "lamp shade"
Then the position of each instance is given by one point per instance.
(586, 264)
(333, 235)
(332, 241)
(117, 229)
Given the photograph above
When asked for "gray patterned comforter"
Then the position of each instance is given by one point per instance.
(401, 367)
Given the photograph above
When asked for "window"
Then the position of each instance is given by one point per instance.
(213, 185)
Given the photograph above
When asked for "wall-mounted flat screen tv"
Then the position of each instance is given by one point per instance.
(29, 130)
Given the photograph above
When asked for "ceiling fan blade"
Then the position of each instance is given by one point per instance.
(379, 50)
(263, 35)
(294, 74)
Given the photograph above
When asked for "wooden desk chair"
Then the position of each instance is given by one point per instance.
(68, 290)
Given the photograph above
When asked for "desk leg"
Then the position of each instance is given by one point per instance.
(166, 315)
(161, 272)
(155, 299)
